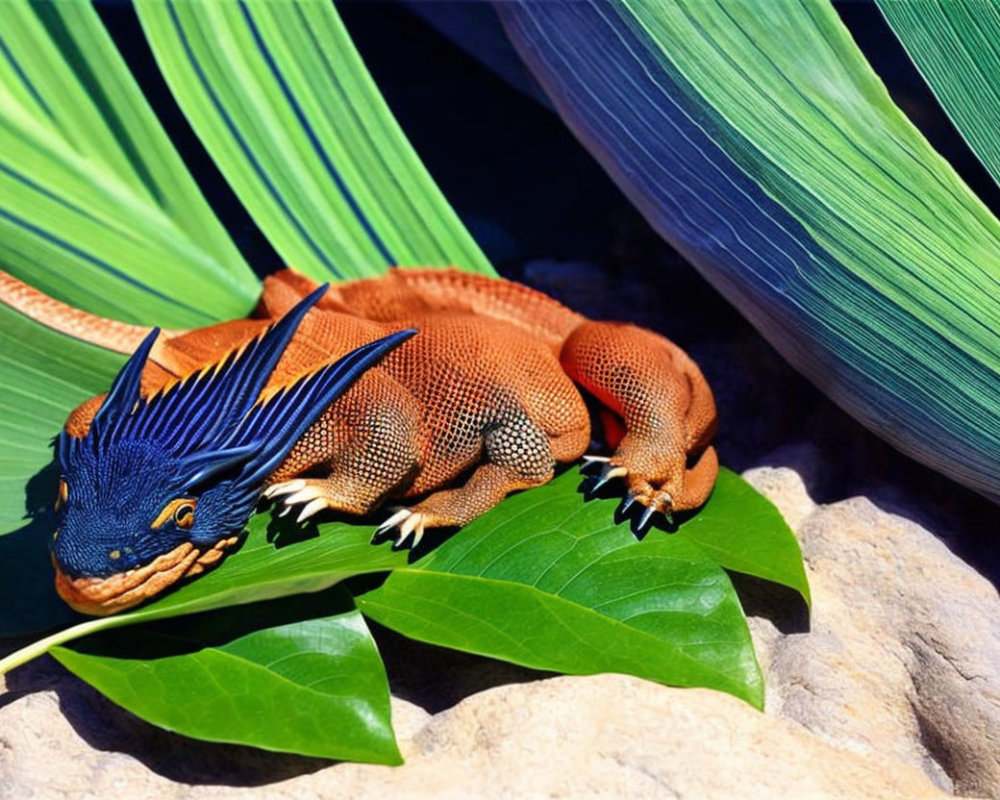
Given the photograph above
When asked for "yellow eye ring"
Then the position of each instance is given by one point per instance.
(180, 510)
(184, 515)
(62, 494)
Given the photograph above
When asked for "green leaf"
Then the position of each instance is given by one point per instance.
(758, 141)
(96, 207)
(300, 676)
(741, 530)
(281, 100)
(954, 45)
(546, 530)
(547, 581)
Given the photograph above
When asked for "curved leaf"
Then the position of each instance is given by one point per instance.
(954, 45)
(301, 676)
(758, 141)
(263, 569)
(96, 207)
(279, 97)
(742, 531)
(552, 583)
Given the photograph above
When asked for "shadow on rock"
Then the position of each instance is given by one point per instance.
(436, 678)
(781, 605)
(105, 726)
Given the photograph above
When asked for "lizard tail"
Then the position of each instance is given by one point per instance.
(120, 337)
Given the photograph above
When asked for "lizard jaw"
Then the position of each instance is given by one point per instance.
(103, 596)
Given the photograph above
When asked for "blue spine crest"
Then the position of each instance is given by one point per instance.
(211, 422)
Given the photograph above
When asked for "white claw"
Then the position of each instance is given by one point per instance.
(400, 542)
(285, 487)
(309, 493)
(284, 511)
(311, 508)
(415, 526)
(393, 521)
(615, 472)
(598, 459)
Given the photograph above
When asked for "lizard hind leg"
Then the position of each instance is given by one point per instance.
(518, 456)
(667, 409)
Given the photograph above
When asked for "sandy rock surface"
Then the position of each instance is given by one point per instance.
(891, 690)
(902, 656)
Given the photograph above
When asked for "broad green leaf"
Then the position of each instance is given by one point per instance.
(954, 45)
(549, 530)
(300, 676)
(743, 532)
(757, 140)
(552, 583)
(281, 100)
(96, 207)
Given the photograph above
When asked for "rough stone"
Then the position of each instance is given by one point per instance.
(601, 736)
(903, 652)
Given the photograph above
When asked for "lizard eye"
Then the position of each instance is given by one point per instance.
(180, 510)
(62, 494)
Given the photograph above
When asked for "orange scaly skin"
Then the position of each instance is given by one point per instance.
(486, 389)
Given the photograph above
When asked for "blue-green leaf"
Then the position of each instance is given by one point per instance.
(757, 140)
(281, 100)
(954, 45)
(96, 207)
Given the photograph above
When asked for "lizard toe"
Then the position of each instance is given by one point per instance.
(608, 472)
(410, 524)
(284, 487)
(591, 461)
(651, 501)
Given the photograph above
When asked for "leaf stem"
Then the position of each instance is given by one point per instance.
(42, 646)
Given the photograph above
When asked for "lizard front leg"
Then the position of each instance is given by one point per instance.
(366, 445)
(667, 408)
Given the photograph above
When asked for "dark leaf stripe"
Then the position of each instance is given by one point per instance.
(90, 258)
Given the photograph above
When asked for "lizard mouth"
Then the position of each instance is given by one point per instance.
(109, 595)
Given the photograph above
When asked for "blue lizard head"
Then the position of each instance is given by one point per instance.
(161, 486)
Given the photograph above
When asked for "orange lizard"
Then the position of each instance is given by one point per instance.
(482, 401)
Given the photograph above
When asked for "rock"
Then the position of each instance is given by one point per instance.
(600, 736)
(902, 657)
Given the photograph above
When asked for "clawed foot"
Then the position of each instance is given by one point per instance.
(645, 494)
(409, 522)
(313, 496)
(300, 491)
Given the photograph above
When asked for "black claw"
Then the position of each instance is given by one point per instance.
(596, 484)
(627, 502)
(609, 472)
(644, 520)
